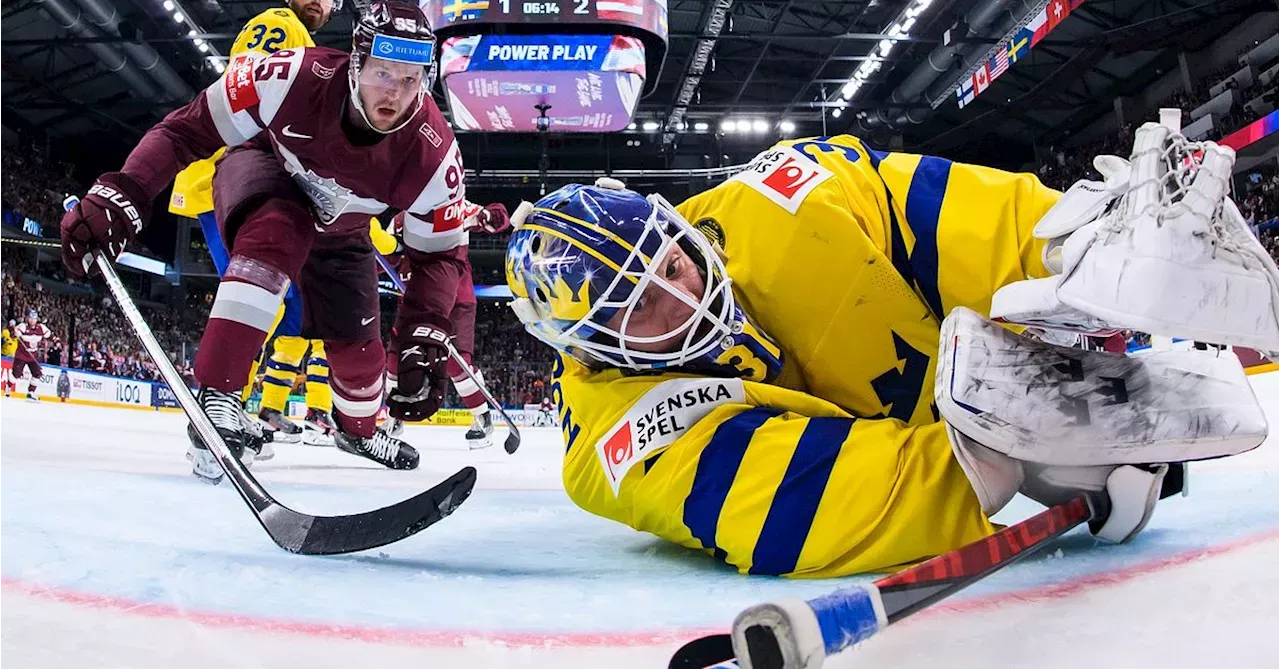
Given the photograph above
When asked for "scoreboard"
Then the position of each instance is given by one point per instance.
(647, 15)
(560, 65)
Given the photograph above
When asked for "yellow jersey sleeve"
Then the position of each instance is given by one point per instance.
(383, 241)
(265, 34)
(769, 480)
(9, 344)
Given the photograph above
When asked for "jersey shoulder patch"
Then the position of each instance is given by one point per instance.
(660, 417)
(784, 175)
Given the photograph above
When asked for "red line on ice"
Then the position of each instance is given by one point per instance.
(458, 638)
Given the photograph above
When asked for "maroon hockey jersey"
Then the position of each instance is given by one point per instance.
(29, 339)
(296, 100)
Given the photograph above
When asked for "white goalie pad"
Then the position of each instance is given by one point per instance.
(1047, 404)
(1158, 247)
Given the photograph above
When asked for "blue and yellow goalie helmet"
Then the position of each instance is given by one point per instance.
(583, 258)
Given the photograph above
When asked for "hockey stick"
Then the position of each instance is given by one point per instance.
(513, 433)
(799, 634)
(293, 531)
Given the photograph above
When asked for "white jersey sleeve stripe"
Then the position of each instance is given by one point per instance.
(438, 192)
(232, 117)
(276, 76)
(420, 235)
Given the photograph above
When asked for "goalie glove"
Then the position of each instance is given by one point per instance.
(1157, 246)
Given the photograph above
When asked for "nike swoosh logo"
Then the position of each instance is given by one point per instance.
(294, 135)
(366, 321)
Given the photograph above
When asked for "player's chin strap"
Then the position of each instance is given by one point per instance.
(513, 433)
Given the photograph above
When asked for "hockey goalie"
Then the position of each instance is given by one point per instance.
(837, 361)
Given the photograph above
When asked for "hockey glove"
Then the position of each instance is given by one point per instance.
(107, 219)
(421, 377)
(492, 219)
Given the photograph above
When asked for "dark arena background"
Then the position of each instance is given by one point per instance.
(114, 556)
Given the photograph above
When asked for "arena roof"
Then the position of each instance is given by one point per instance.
(91, 75)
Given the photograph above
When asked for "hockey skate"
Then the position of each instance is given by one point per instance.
(481, 433)
(227, 415)
(258, 438)
(284, 430)
(318, 428)
(31, 397)
(393, 427)
(382, 448)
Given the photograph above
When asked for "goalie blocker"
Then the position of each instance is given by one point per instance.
(1052, 422)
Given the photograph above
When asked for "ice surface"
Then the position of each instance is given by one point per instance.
(114, 556)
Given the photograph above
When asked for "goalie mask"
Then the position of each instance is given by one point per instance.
(617, 279)
(392, 64)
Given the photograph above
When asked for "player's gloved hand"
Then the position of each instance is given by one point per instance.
(491, 219)
(422, 378)
(107, 219)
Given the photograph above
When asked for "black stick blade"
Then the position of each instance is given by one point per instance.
(331, 535)
(703, 652)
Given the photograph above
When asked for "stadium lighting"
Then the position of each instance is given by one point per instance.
(900, 28)
(204, 48)
(631, 126)
(726, 126)
(650, 126)
(178, 17)
(192, 33)
(168, 5)
(835, 113)
(701, 126)
(759, 126)
(787, 126)
(199, 42)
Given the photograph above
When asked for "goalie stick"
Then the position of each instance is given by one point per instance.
(799, 634)
(512, 441)
(293, 531)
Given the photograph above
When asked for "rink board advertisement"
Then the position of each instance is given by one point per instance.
(590, 83)
(97, 388)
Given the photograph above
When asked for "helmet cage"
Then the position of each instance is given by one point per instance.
(706, 331)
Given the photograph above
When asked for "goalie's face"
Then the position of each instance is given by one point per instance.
(389, 91)
(660, 316)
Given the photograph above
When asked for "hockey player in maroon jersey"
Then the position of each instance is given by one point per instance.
(31, 333)
(320, 141)
(491, 219)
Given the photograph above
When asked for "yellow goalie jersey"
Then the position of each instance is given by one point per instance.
(848, 259)
(267, 33)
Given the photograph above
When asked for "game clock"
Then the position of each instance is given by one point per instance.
(649, 16)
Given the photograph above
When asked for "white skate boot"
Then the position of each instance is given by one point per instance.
(226, 413)
(318, 428)
(481, 433)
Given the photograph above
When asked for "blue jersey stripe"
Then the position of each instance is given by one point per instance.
(796, 501)
(717, 467)
(924, 206)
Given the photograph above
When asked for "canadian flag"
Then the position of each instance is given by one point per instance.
(981, 79)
